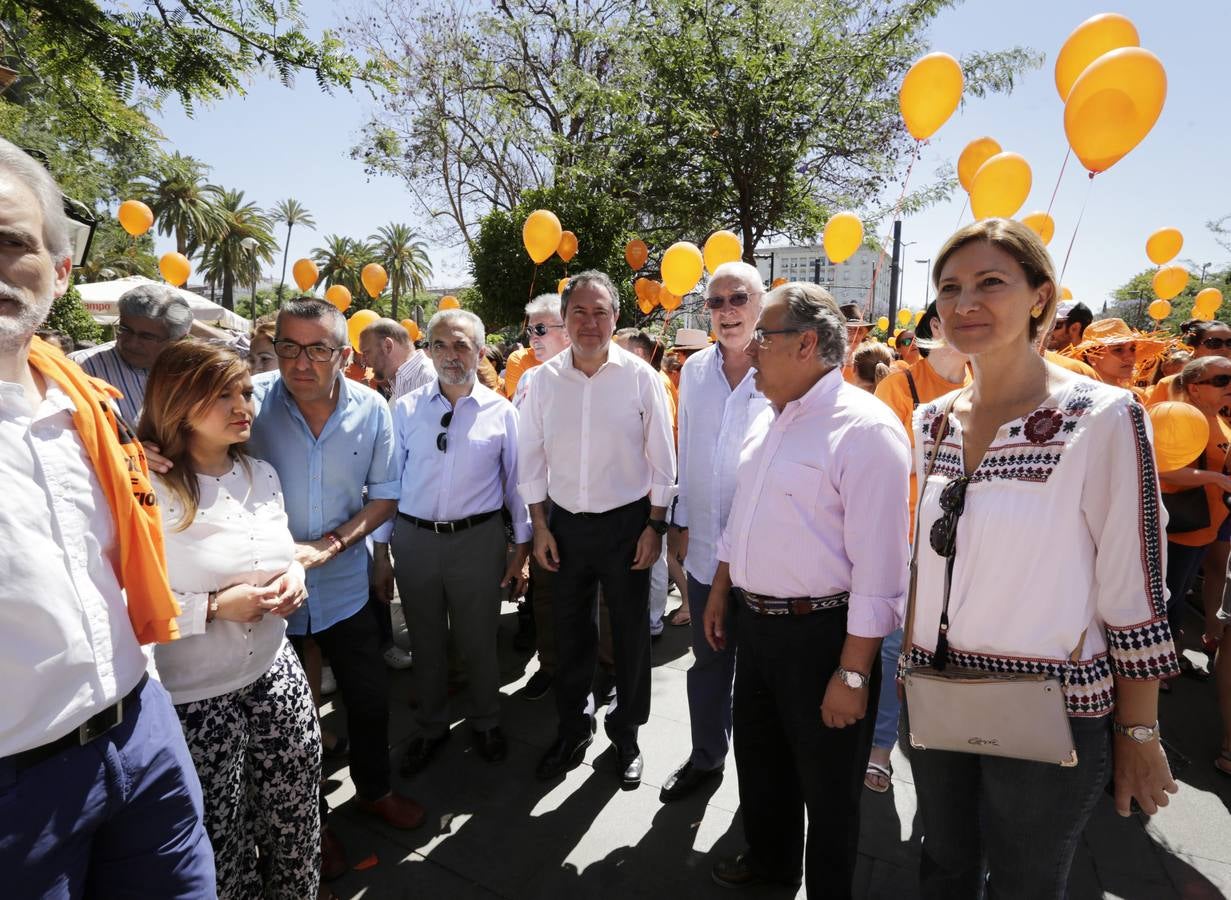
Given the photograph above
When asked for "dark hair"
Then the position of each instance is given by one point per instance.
(1080, 313)
(314, 308)
(591, 276)
(923, 330)
(1194, 330)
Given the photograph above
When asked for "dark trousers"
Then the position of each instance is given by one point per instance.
(1006, 827)
(710, 680)
(598, 551)
(1183, 564)
(353, 649)
(788, 761)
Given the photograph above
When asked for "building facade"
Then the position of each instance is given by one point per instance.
(854, 281)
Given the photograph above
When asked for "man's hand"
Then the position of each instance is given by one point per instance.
(1141, 772)
(649, 548)
(843, 706)
(715, 618)
(517, 573)
(247, 603)
(314, 553)
(382, 578)
(158, 463)
(546, 553)
(677, 543)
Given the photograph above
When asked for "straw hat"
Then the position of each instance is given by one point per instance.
(690, 339)
(1108, 332)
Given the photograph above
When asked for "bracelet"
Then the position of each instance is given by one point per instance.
(211, 609)
(338, 544)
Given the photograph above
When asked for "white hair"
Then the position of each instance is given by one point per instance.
(544, 305)
(460, 316)
(737, 269)
(38, 180)
(161, 303)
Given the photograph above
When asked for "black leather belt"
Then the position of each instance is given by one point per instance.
(605, 513)
(793, 606)
(449, 527)
(95, 726)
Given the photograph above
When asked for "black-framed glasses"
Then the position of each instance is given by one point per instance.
(540, 329)
(1218, 381)
(1216, 343)
(442, 439)
(736, 298)
(145, 337)
(943, 536)
(315, 352)
(760, 334)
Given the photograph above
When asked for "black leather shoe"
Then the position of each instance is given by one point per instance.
(631, 764)
(419, 753)
(684, 780)
(491, 744)
(737, 872)
(563, 755)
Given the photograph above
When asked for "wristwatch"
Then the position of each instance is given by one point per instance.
(1142, 734)
(854, 680)
(659, 526)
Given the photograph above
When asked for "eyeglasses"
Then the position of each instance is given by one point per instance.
(145, 337)
(738, 298)
(316, 352)
(442, 439)
(1216, 343)
(760, 334)
(1218, 381)
(540, 329)
(904, 342)
(943, 536)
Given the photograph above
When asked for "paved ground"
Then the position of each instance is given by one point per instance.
(495, 832)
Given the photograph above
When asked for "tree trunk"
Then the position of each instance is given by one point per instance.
(393, 308)
(285, 250)
(228, 290)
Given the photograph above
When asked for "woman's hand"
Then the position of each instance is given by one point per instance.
(1141, 772)
(246, 603)
(291, 590)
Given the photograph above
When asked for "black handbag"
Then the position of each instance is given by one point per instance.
(1187, 510)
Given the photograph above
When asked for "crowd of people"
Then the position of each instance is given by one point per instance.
(839, 518)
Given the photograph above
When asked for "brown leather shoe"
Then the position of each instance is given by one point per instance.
(400, 812)
(333, 855)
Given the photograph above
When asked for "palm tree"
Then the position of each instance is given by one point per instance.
(292, 213)
(183, 203)
(225, 259)
(341, 261)
(404, 258)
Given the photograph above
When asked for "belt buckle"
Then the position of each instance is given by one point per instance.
(801, 606)
(89, 729)
(439, 527)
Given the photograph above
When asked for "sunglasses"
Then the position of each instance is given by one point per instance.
(442, 439)
(540, 329)
(943, 536)
(904, 342)
(1216, 343)
(1218, 381)
(738, 298)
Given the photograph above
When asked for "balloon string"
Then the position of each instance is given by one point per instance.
(962, 214)
(1056, 189)
(897, 207)
(533, 276)
(1076, 228)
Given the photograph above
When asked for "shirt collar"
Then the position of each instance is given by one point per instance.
(471, 397)
(616, 356)
(827, 385)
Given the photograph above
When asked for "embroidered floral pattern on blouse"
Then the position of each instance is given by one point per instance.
(1043, 425)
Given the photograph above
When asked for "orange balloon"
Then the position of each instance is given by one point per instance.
(976, 153)
(305, 274)
(669, 301)
(644, 305)
(1208, 301)
(636, 253)
(339, 296)
(1169, 281)
(374, 278)
(1181, 432)
(1159, 310)
(541, 234)
(1113, 105)
(777, 282)
(1164, 245)
(175, 268)
(681, 267)
(359, 321)
(567, 248)
(1000, 187)
(135, 217)
(722, 247)
(412, 328)
(1091, 39)
(1065, 293)
(930, 93)
(842, 236)
(1041, 224)
(560, 285)
(448, 301)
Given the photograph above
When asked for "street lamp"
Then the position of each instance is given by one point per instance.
(902, 279)
(250, 244)
(928, 263)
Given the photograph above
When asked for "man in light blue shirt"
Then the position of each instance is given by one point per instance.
(331, 442)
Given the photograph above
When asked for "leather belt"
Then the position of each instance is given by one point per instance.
(449, 527)
(94, 727)
(605, 513)
(793, 606)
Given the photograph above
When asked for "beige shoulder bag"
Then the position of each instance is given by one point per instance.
(1020, 716)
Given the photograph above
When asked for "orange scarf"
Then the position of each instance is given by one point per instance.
(119, 464)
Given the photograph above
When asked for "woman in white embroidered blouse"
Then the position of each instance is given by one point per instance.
(237, 685)
(1061, 534)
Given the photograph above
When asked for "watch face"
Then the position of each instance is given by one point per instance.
(852, 680)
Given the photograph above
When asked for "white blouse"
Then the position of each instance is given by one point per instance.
(1063, 532)
(239, 536)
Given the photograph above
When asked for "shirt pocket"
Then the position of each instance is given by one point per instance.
(795, 489)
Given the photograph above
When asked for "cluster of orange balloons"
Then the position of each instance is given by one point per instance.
(1161, 247)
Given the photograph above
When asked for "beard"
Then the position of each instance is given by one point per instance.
(17, 325)
(451, 377)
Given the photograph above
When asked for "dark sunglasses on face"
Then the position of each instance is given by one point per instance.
(540, 329)
(943, 536)
(1218, 381)
(904, 342)
(1216, 343)
(315, 352)
(738, 298)
(442, 439)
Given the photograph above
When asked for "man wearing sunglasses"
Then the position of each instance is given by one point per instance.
(816, 544)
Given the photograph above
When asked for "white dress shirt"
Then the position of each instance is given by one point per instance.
(67, 648)
(412, 375)
(594, 444)
(714, 420)
(476, 473)
(820, 505)
(238, 536)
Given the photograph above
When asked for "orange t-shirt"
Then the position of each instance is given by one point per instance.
(1073, 365)
(1215, 460)
(519, 362)
(1161, 392)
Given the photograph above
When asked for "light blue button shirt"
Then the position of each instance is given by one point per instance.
(323, 480)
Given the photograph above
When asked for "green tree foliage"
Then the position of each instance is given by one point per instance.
(290, 212)
(225, 259)
(69, 316)
(115, 254)
(405, 259)
(1132, 299)
(183, 203)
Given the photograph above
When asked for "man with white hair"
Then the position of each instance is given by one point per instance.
(98, 793)
(389, 352)
(547, 335)
(151, 317)
(455, 445)
(717, 402)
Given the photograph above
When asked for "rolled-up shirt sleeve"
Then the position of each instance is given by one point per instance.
(1124, 512)
(509, 462)
(874, 480)
(531, 452)
(384, 477)
(659, 432)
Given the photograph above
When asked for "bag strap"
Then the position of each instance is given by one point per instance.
(914, 393)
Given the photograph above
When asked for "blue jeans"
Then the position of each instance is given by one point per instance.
(887, 710)
(710, 681)
(1006, 828)
(118, 818)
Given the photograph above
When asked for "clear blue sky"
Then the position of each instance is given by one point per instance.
(277, 142)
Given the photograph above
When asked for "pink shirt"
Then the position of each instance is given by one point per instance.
(820, 505)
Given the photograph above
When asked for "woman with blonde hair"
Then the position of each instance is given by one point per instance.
(239, 690)
(1039, 553)
(870, 364)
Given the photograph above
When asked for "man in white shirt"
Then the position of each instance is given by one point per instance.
(98, 793)
(389, 352)
(718, 401)
(816, 543)
(596, 437)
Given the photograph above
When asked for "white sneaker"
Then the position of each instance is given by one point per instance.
(397, 658)
(329, 684)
